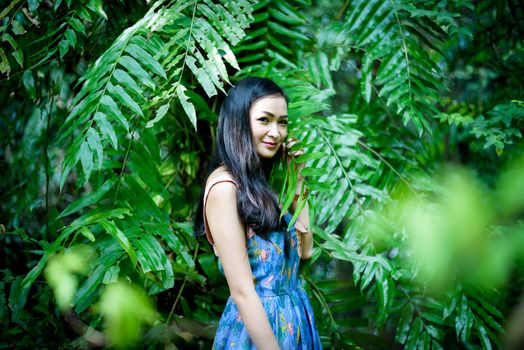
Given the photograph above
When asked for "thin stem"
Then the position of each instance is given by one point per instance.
(404, 45)
(321, 299)
(188, 41)
(181, 288)
(342, 10)
(46, 160)
(382, 159)
(344, 172)
(6, 11)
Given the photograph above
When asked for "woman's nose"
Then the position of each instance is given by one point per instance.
(273, 130)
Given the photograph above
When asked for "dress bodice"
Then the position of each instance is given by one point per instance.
(274, 261)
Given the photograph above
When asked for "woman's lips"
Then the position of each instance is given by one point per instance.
(270, 144)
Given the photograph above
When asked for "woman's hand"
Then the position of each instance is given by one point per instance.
(290, 155)
(302, 225)
(290, 159)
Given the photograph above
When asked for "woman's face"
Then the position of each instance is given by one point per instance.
(268, 117)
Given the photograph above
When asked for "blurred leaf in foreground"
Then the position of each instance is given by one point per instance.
(125, 309)
(61, 273)
(462, 231)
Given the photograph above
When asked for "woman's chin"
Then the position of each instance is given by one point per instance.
(267, 154)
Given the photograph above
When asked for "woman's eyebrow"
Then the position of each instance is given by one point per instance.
(272, 115)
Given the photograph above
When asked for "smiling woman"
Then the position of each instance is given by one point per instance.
(268, 117)
(240, 216)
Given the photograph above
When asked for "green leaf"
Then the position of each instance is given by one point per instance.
(188, 106)
(7, 37)
(95, 216)
(404, 323)
(77, 25)
(96, 7)
(287, 32)
(201, 76)
(18, 297)
(125, 308)
(121, 238)
(136, 69)
(160, 113)
(129, 83)
(365, 82)
(81, 109)
(323, 64)
(85, 295)
(368, 275)
(310, 156)
(124, 98)
(89, 199)
(144, 206)
(483, 335)
(414, 334)
(113, 110)
(63, 46)
(176, 246)
(86, 158)
(4, 62)
(87, 234)
(18, 28)
(487, 318)
(33, 5)
(71, 37)
(111, 275)
(71, 158)
(150, 253)
(106, 128)
(84, 14)
(95, 144)
(143, 56)
(288, 18)
(19, 57)
(29, 83)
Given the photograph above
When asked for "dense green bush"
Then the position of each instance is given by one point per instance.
(108, 116)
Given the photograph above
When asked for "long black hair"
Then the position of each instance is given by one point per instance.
(257, 203)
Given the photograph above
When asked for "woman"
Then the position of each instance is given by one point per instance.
(268, 307)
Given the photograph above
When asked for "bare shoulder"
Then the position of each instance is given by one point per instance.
(225, 189)
(219, 173)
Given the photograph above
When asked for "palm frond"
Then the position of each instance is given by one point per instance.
(400, 41)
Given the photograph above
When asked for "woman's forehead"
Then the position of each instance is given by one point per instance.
(274, 104)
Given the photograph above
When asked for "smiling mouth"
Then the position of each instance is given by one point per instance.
(270, 144)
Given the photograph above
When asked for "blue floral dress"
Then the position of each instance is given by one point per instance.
(281, 293)
(274, 264)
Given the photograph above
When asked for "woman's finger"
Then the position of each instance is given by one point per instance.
(296, 153)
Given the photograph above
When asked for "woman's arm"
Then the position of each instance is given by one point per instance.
(228, 234)
(302, 227)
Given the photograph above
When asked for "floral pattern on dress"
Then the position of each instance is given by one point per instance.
(282, 295)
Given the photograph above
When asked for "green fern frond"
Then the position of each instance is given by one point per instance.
(403, 38)
(118, 85)
(274, 31)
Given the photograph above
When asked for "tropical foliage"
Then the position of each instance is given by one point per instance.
(108, 121)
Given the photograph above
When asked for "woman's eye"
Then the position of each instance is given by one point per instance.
(283, 122)
(263, 119)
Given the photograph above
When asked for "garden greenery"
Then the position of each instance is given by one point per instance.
(109, 111)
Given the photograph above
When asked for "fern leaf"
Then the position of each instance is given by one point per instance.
(128, 82)
(110, 106)
(146, 59)
(123, 97)
(106, 128)
(134, 68)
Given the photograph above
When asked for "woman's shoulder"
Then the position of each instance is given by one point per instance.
(221, 188)
(220, 174)
(221, 181)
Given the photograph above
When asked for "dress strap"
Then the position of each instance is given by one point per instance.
(218, 179)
